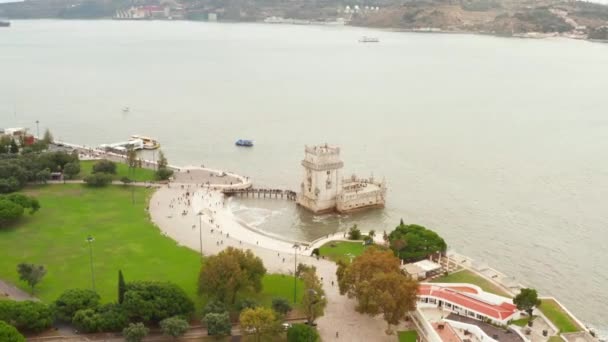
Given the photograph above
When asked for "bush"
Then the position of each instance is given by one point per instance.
(163, 173)
(315, 252)
(246, 304)
(27, 315)
(8, 333)
(218, 324)
(13, 206)
(106, 318)
(135, 332)
(354, 233)
(73, 300)
(149, 301)
(214, 306)
(174, 326)
(302, 333)
(281, 306)
(104, 166)
(98, 179)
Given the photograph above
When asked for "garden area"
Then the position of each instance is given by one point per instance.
(558, 316)
(342, 250)
(122, 170)
(408, 336)
(466, 276)
(125, 239)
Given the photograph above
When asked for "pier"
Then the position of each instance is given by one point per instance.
(261, 193)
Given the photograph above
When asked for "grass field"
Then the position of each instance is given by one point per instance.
(522, 322)
(559, 317)
(341, 250)
(555, 339)
(122, 170)
(466, 276)
(407, 336)
(124, 239)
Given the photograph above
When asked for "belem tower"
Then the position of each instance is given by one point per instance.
(324, 190)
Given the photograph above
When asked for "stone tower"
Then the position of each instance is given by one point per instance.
(322, 175)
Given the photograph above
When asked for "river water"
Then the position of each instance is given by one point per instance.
(498, 144)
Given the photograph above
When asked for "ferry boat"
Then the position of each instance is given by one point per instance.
(149, 143)
(366, 39)
(244, 142)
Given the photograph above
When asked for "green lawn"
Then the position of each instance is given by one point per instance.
(466, 276)
(522, 322)
(408, 336)
(341, 250)
(122, 170)
(559, 317)
(555, 339)
(124, 239)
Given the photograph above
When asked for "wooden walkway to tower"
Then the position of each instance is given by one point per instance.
(261, 193)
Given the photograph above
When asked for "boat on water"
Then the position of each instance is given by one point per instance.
(148, 143)
(366, 39)
(4, 23)
(244, 142)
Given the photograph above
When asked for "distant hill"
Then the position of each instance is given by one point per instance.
(530, 18)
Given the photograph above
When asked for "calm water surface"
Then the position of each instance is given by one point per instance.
(498, 144)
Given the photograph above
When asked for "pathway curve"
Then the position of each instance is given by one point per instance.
(174, 210)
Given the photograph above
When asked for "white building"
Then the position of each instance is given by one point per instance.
(324, 190)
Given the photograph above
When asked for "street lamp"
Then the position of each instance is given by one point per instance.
(90, 240)
(37, 130)
(295, 268)
(200, 231)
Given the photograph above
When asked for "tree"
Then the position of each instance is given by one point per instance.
(164, 173)
(527, 300)
(151, 302)
(394, 295)
(122, 287)
(27, 315)
(174, 326)
(70, 170)
(98, 179)
(354, 233)
(258, 322)
(218, 324)
(105, 318)
(376, 281)
(8, 333)
(13, 148)
(135, 332)
(302, 333)
(48, 137)
(87, 320)
(413, 242)
(104, 166)
(131, 157)
(313, 299)
(281, 306)
(73, 300)
(43, 175)
(31, 274)
(230, 271)
(126, 180)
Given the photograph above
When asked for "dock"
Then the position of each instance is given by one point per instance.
(261, 193)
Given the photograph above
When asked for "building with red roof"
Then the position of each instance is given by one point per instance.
(467, 300)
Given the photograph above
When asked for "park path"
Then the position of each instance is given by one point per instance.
(14, 292)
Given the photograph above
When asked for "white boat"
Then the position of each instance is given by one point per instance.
(366, 39)
(149, 143)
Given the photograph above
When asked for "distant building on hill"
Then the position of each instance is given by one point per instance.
(324, 190)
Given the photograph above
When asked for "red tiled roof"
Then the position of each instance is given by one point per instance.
(500, 312)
